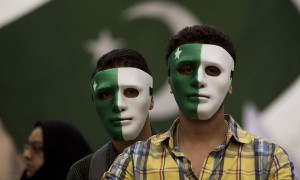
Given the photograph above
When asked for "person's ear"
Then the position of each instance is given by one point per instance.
(230, 89)
(170, 86)
(151, 104)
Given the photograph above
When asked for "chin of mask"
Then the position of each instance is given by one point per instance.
(200, 76)
(122, 99)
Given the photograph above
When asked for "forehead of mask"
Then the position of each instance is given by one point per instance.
(117, 80)
(123, 77)
(198, 56)
(196, 53)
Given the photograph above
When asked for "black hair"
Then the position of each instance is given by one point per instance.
(63, 145)
(205, 34)
(123, 57)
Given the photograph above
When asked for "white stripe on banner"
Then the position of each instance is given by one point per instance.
(297, 4)
(11, 10)
(279, 122)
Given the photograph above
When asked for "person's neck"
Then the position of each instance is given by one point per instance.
(211, 131)
(197, 138)
(145, 133)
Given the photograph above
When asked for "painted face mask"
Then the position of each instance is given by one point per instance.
(122, 99)
(200, 76)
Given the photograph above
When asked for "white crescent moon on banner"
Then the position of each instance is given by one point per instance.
(175, 17)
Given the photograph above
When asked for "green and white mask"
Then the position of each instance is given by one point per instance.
(122, 99)
(200, 77)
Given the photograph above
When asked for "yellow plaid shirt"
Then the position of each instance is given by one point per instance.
(245, 156)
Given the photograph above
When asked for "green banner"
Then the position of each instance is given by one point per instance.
(47, 56)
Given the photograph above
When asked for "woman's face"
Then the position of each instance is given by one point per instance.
(33, 152)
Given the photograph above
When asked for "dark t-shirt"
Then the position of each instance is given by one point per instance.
(96, 164)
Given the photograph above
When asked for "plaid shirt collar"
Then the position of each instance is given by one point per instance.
(235, 131)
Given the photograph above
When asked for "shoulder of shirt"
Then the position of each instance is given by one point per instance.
(246, 137)
(79, 170)
(155, 140)
(82, 162)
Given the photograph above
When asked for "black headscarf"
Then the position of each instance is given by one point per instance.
(63, 146)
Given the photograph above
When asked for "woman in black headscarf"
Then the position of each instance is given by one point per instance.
(53, 146)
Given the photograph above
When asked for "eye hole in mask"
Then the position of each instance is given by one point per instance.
(212, 71)
(186, 69)
(131, 92)
(106, 95)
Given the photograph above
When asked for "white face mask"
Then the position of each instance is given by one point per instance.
(200, 76)
(122, 99)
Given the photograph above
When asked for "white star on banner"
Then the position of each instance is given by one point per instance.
(103, 44)
(177, 54)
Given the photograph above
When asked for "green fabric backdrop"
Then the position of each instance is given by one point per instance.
(45, 66)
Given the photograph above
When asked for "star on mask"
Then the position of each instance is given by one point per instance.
(94, 86)
(177, 53)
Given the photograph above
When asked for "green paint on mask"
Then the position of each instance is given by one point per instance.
(184, 86)
(107, 82)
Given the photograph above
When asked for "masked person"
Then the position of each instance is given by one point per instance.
(122, 94)
(53, 146)
(203, 142)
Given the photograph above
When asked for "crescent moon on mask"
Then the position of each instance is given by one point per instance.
(175, 17)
